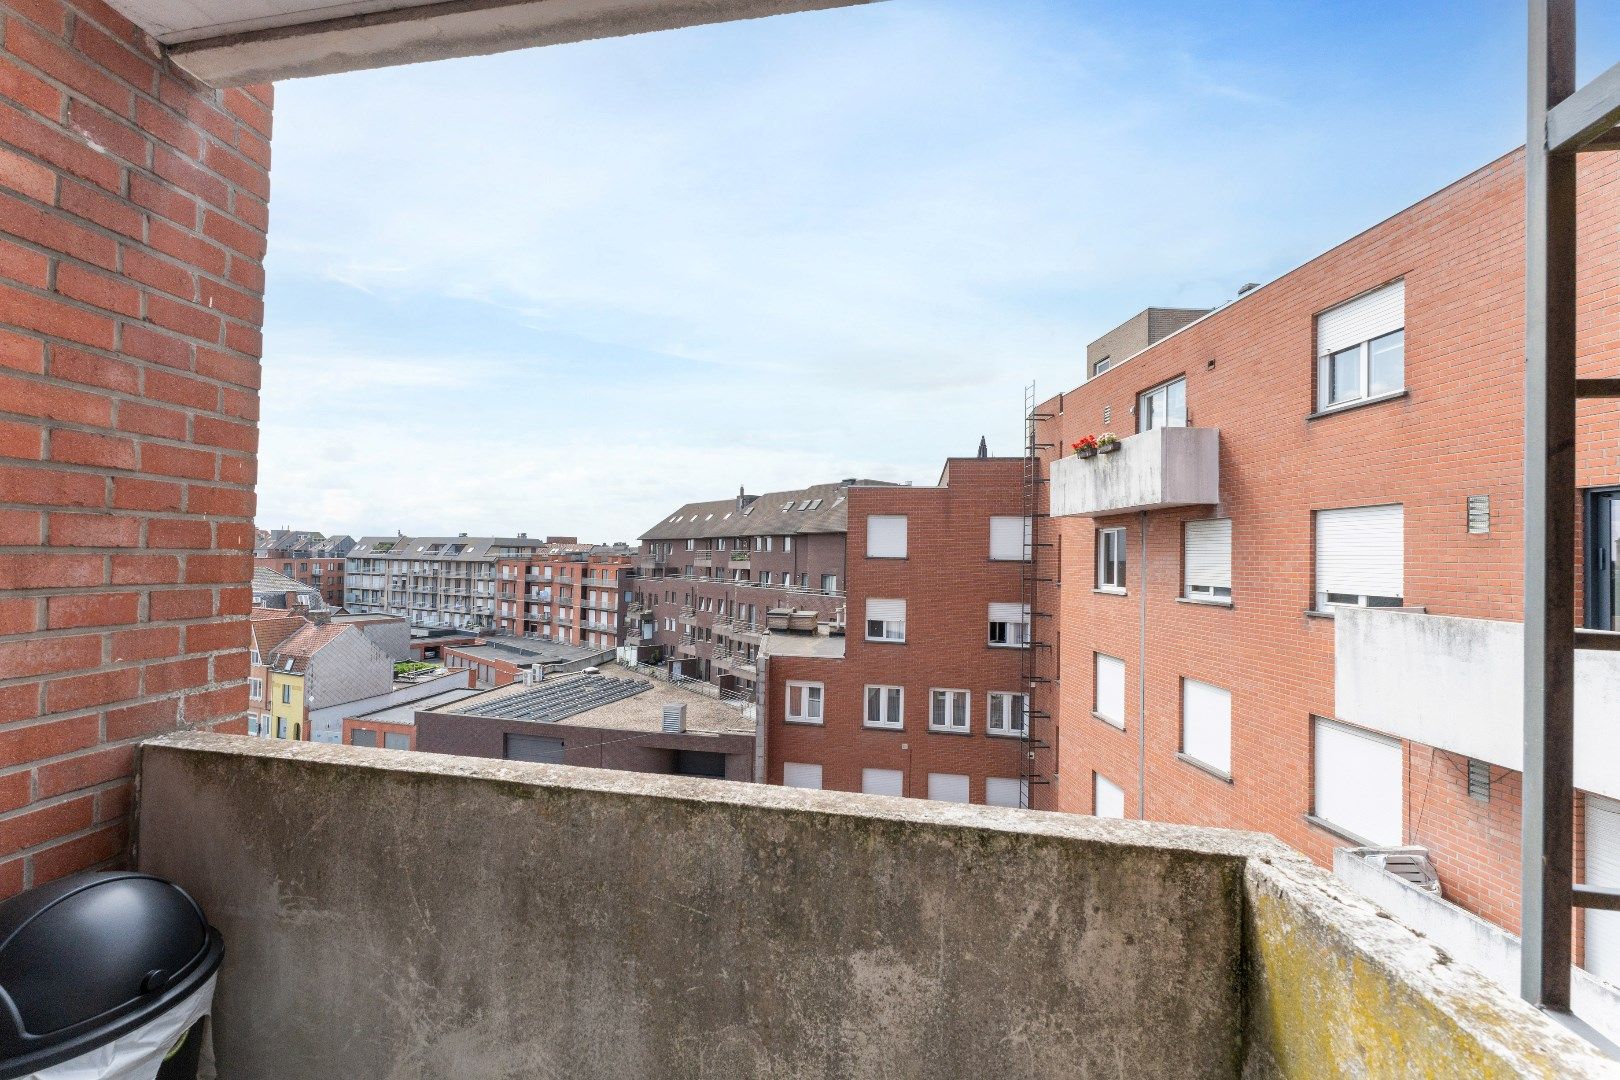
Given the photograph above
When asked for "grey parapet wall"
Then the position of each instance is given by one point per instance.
(414, 915)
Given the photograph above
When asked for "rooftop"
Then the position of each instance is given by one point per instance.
(405, 712)
(515, 650)
(820, 508)
(614, 699)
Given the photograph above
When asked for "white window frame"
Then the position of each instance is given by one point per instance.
(1206, 726)
(887, 540)
(1216, 586)
(1112, 540)
(811, 700)
(1360, 352)
(255, 689)
(960, 697)
(1357, 795)
(1325, 600)
(1014, 633)
(1005, 529)
(1001, 707)
(891, 630)
(887, 703)
(1097, 701)
(1162, 391)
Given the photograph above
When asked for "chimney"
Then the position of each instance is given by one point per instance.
(674, 719)
(320, 616)
(742, 500)
(984, 447)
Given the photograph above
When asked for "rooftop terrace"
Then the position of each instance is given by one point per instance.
(497, 919)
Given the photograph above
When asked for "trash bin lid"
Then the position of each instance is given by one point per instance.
(87, 958)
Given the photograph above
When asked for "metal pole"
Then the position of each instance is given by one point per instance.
(1549, 518)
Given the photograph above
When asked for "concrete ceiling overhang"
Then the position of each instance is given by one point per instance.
(233, 42)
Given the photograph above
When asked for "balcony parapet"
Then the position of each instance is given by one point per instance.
(1458, 684)
(1154, 470)
(869, 930)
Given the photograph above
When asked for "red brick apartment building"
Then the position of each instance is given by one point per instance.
(1290, 601)
(711, 572)
(925, 694)
(574, 595)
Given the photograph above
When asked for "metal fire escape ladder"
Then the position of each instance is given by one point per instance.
(1562, 122)
(1030, 672)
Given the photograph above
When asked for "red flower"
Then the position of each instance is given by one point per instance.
(1087, 442)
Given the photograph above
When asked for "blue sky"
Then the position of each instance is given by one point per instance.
(567, 289)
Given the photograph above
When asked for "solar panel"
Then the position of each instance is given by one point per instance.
(550, 702)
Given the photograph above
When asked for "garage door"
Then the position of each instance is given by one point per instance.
(1603, 868)
(534, 748)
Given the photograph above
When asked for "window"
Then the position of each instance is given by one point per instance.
(804, 702)
(947, 787)
(1107, 797)
(1603, 870)
(1360, 556)
(1206, 559)
(787, 543)
(948, 711)
(1006, 792)
(1163, 406)
(1111, 560)
(1009, 539)
(885, 620)
(1005, 713)
(883, 782)
(254, 658)
(886, 536)
(1206, 725)
(1101, 366)
(764, 577)
(829, 582)
(286, 693)
(1361, 348)
(1110, 690)
(396, 740)
(264, 724)
(255, 689)
(362, 737)
(1009, 626)
(691, 545)
(801, 776)
(1357, 787)
(253, 723)
(885, 706)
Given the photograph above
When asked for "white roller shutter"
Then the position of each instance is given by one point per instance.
(1009, 538)
(886, 536)
(882, 781)
(1107, 797)
(1208, 554)
(1358, 782)
(1206, 724)
(1360, 550)
(1603, 868)
(1012, 613)
(947, 787)
(886, 610)
(999, 791)
(1382, 311)
(1111, 688)
(801, 776)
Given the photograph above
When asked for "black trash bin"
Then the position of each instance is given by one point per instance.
(105, 975)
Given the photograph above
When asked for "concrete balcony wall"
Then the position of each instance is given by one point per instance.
(435, 916)
(1155, 470)
(1458, 684)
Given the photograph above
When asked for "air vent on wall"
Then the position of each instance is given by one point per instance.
(1479, 513)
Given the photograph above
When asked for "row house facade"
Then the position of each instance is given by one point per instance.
(925, 693)
(1289, 598)
(710, 574)
(572, 595)
(309, 558)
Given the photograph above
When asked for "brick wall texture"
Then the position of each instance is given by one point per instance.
(133, 207)
(1458, 431)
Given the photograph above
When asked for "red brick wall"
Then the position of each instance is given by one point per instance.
(1457, 432)
(132, 231)
(948, 581)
